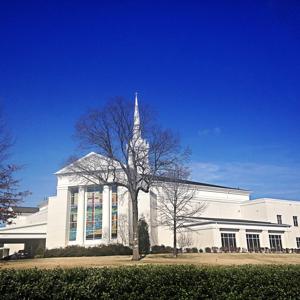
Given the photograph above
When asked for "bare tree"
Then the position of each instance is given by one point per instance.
(185, 239)
(9, 195)
(175, 204)
(123, 229)
(126, 158)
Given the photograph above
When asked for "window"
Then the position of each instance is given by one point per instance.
(228, 241)
(298, 242)
(275, 242)
(295, 219)
(73, 214)
(114, 212)
(279, 219)
(94, 213)
(253, 242)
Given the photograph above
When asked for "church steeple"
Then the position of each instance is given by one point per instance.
(138, 147)
(136, 120)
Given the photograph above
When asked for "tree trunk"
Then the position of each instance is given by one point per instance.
(175, 239)
(175, 230)
(175, 242)
(135, 242)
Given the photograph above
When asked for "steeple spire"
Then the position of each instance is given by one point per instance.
(139, 148)
(136, 120)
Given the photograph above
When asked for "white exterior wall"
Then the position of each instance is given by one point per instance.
(58, 214)
(52, 221)
(268, 209)
(14, 248)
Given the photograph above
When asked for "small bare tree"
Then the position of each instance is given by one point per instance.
(123, 229)
(124, 157)
(185, 239)
(9, 194)
(175, 204)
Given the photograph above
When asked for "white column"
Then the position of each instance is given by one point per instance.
(216, 237)
(264, 239)
(80, 216)
(106, 214)
(241, 239)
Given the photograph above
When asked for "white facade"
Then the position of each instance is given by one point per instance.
(228, 211)
(87, 215)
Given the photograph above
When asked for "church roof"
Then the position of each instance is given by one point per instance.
(92, 155)
(166, 179)
(25, 209)
(196, 221)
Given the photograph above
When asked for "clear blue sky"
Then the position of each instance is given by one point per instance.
(224, 74)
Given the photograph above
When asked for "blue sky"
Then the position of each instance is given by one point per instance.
(223, 74)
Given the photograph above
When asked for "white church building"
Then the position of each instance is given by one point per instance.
(89, 215)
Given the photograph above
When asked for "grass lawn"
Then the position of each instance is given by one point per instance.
(196, 259)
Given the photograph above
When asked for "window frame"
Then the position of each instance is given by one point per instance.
(253, 242)
(279, 219)
(94, 213)
(114, 212)
(275, 239)
(73, 213)
(228, 240)
(295, 221)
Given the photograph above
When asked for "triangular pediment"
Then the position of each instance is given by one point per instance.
(92, 160)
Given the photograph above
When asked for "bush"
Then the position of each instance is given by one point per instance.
(153, 282)
(161, 249)
(207, 250)
(144, 240)
(101, 250)
(214, 249)
(191, 250)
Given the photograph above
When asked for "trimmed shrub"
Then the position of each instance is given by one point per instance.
(144, 240)
(161, 249)
(207, 250)
(191, 250)
(214, 249)
(153, 282)
(101, 250)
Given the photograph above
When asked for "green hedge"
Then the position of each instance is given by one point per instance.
(153, 282)
(102, 250)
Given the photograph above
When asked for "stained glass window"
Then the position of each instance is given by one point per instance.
(94, 213)
(73, 213)
(114, 212)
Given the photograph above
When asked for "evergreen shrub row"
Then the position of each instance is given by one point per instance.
(153, 282)
(101, 250)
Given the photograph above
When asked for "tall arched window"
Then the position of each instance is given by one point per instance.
(114, 212)
(94, 212)
(73, 213)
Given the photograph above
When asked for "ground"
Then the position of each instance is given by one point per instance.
(195, 259)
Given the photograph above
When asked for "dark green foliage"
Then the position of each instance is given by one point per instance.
(161, 249)
(153, 282)
(191, 250)
(144, 240)
(102, 250)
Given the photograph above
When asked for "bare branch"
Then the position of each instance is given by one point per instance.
(175, 202)
(124, 156)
